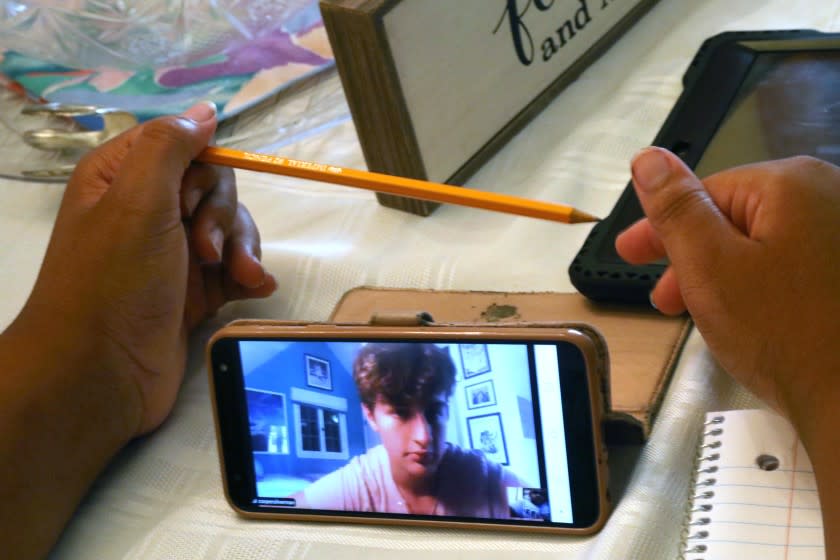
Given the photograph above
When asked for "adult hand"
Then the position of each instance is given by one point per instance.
(146, 244)
(754, 256)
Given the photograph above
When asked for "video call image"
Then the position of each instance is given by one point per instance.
(401, 428)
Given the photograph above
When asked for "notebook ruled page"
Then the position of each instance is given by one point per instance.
(755, 496)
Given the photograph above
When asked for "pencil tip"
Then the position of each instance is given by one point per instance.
(579, 217)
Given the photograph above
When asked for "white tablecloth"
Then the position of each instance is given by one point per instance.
(162, 498)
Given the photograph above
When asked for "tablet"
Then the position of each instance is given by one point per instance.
(747, 97)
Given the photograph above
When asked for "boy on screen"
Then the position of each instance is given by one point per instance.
(405, 391)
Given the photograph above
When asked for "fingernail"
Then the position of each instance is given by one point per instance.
(217, 239)
(652, 303)
(259, 283)
(270, 278)
(650, 169)
(200, 112)
(264, 276)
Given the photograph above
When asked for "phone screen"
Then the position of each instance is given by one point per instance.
(498, 432)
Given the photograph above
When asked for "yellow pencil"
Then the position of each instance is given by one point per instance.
(391, 184)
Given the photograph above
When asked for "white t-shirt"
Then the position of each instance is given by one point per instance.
(468, 485)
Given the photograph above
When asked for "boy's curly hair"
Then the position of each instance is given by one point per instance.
(406, 375)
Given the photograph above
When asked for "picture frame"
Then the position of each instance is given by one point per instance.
(488, 436)
(318, 373)
(481, 394)
(436, 106)
(475, 359)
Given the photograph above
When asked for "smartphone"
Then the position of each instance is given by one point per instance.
(469, 427)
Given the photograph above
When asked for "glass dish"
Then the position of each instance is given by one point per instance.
(136, 34)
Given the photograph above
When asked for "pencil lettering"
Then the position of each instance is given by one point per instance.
(307, 165)
(263, 158)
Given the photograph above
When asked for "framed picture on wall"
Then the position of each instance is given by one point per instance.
(318, 373)
(474, 359)
(480, 394)
(488, 436)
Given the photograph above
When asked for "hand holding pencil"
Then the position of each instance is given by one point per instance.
(391, 184)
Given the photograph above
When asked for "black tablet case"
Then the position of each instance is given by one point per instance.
(596, 271)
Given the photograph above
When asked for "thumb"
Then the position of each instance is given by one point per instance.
(681, 211)
(159, 153)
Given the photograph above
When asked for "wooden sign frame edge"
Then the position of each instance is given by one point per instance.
(385, 130)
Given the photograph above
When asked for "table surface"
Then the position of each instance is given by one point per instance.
(162, 497)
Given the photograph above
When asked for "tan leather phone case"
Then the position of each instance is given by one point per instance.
(583, 336)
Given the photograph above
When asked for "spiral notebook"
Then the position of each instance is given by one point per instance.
(754, 494)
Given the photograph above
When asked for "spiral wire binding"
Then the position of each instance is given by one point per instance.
(702, 490)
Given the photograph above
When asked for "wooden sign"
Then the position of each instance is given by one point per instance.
(436, 87)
